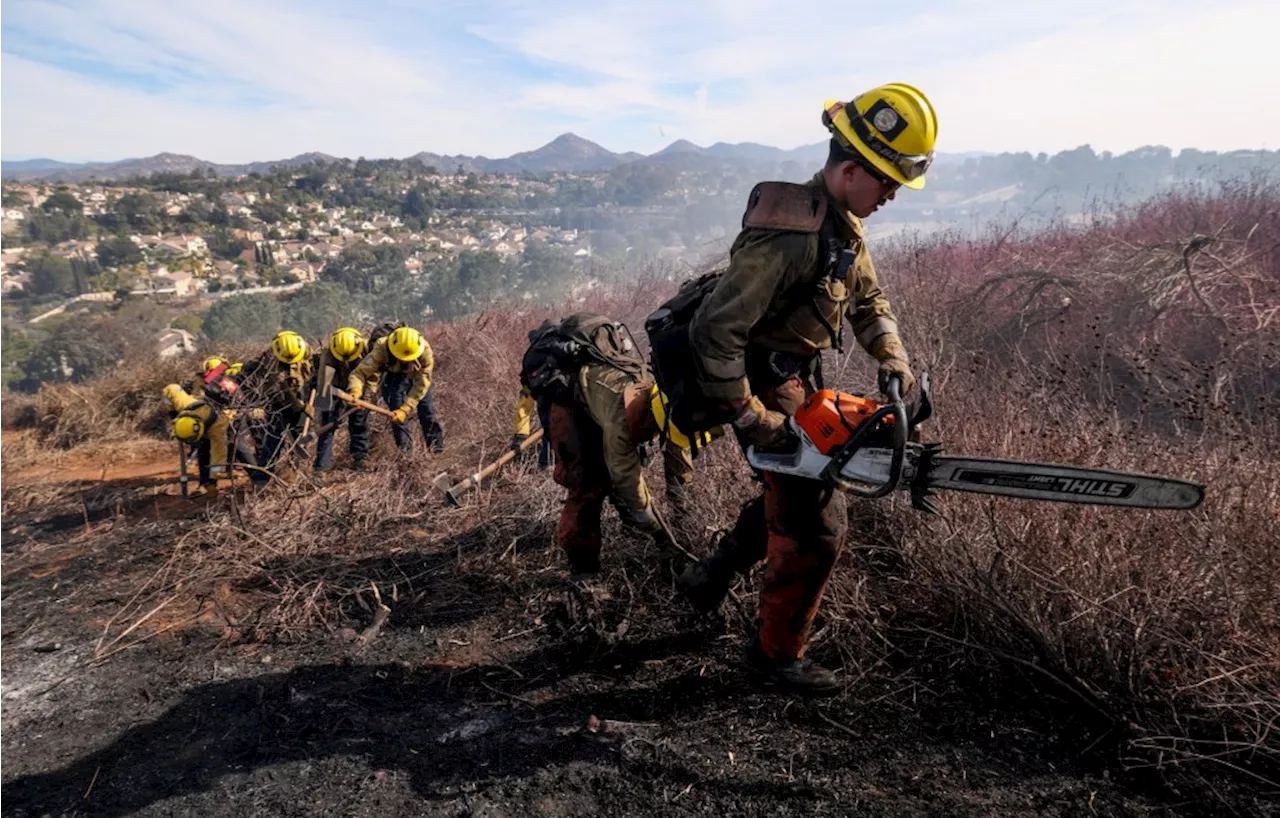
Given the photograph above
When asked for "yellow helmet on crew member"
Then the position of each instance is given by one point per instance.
(406, 343)
(188, 428)
(347, 344)
(892, 127)
(289, 347)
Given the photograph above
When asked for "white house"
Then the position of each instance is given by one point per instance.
(172, 342)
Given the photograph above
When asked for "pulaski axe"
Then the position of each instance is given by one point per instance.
(454, 491)
(363, 404)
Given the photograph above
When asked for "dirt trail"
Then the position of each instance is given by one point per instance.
(108, 463)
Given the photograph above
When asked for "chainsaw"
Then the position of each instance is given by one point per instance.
(871, 449)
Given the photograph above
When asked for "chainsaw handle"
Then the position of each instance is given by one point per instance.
(898, 410)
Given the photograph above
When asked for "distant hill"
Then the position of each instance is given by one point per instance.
(36, 166)
(52, 171)
(962, 185)
(566, 153)
(680, 146)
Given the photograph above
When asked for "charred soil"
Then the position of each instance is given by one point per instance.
(488, 691)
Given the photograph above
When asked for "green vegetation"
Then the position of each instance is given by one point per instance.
(249, 317)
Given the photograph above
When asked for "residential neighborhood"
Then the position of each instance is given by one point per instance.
(383, 237)
(294, 249)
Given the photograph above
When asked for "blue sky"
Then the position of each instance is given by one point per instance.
(241, 80)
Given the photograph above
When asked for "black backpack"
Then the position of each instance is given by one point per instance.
(383, 330)
(671, 355)
(557, 351)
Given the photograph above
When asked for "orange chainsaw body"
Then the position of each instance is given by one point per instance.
(830, 418)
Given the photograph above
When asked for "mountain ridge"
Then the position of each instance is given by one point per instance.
(568, 152)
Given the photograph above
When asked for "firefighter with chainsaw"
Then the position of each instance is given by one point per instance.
(209, 395)
(282, 378)
(799, 270)
(603, 407)
(402, 360)
(334, 366)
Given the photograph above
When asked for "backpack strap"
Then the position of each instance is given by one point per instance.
(785, 206)
(835, 258)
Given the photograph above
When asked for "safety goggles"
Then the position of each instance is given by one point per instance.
(911, 166)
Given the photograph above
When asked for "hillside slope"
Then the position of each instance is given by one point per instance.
(227, 657)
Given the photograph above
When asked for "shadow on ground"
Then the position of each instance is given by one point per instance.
(445, 728)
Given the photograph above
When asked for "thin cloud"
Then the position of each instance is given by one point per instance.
(239, 80)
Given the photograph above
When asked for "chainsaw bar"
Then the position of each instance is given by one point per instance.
(926, 470)
(1062, 484)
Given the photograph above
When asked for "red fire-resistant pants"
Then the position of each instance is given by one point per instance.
(581, 469)
(806, 524)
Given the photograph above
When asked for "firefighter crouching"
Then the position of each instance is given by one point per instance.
(403, 361)
(345, 350)
(282, 378)
(601, 400)
(202, 426)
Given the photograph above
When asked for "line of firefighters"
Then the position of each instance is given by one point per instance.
(799, 272)
(286, 381)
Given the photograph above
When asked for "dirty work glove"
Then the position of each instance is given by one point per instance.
(258, 414)
(356, 391)
(761, 426)
(888, 350)
(399, 416)
(516, 440)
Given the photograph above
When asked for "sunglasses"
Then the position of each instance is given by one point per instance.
(911, 166)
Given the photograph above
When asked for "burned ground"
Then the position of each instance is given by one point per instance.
(165, 656)
(477, 698)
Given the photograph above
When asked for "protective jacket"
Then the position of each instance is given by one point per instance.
(762, 304)
(379, 360)
(619, 406)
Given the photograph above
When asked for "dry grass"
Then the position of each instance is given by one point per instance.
(1146, 342)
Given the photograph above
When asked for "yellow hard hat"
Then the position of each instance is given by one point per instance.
(289, 347)
(892, 126)
(347, 344)
(658, 405)
(406, 343)
(213, 363)
(188, 428)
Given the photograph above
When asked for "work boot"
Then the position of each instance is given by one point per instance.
(706, 583)
(802, 677)
(583, 566)
(362, 464)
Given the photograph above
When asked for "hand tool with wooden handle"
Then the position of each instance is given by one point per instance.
(454, 492)
(363, 404)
